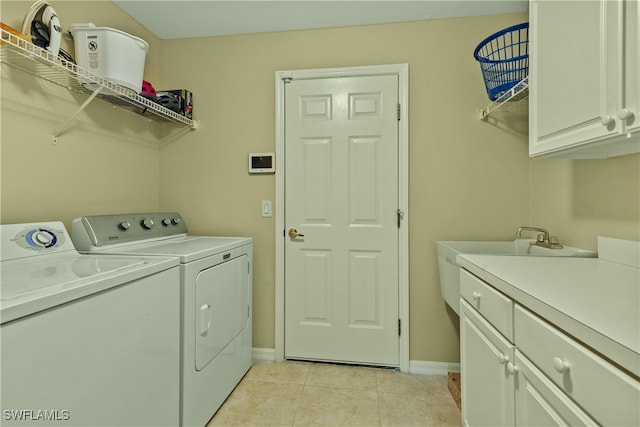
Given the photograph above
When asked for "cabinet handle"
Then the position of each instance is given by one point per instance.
(512, 369)
(476, 295)
(606, 119)
(560, 365)
(625, 114)
(503, 359)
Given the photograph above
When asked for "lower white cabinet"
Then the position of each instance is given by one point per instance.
(608, 394)
(540, 403)
(537, 376)
(487, 386)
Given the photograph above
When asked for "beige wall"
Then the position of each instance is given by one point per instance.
(581, 199)
(468, 179)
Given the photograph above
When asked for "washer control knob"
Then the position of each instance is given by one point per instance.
(42, 238)
(147, 223)
(176, 221)
(166, 222)
(124, 225)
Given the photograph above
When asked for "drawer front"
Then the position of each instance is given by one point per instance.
(605, 392)
(491, 304)
(540, 403)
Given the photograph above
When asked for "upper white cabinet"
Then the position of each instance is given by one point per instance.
(584, 95)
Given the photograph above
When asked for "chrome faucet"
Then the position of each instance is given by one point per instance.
(543, 239)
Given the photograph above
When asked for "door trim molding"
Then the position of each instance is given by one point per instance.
(402, 71)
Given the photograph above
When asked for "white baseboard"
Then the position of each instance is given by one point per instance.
(263, 354)
(415, 366)
(432, 368)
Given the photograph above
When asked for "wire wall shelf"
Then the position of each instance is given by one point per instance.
(39, 62)
(514, 100)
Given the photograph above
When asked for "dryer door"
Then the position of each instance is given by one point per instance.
(222, 307)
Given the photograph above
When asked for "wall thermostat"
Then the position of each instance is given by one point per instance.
(262, 162)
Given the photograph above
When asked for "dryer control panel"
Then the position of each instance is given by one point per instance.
(26, 240)
(99, 231)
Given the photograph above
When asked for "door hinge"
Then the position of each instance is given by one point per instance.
(399, 327)
(398, 110)
(400, 215)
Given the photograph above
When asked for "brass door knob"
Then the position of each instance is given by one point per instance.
(293, 233)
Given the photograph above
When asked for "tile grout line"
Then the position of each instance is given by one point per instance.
(300, 397)
(378, 396)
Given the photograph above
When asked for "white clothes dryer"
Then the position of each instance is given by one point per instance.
(216, 298)
(86, 340)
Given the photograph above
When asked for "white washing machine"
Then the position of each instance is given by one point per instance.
(86, 340)
(216, 298)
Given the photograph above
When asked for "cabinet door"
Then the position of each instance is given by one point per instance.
(573, 73)
(630, 108)
(540, 403)
(487, 385)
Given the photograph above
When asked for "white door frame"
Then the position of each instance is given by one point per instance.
(402, 71)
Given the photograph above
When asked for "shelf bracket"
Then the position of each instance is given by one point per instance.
(54, 137)
(518, 92)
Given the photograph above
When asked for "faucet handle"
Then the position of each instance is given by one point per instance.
(554, 242)
(540, 238)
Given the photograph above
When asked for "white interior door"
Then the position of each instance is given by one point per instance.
(341, 197)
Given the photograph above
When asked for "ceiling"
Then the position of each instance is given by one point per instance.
(175, 19)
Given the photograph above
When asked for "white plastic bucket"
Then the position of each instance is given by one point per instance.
(113, 54)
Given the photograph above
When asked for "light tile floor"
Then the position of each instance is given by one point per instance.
(317, 394)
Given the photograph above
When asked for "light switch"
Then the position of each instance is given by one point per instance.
(266, 209)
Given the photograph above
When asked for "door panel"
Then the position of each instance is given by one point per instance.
(317, 292)
(317, 165)
(364, 180)
(365, 297)
(341, 184)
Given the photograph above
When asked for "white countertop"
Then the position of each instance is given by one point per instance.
(595, 300)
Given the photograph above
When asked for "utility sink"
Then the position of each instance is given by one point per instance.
(450, 270)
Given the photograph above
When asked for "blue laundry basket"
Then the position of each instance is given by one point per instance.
(504, 59)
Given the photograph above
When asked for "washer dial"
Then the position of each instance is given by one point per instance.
(43, 238)
(39, 238)
(147, 223)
